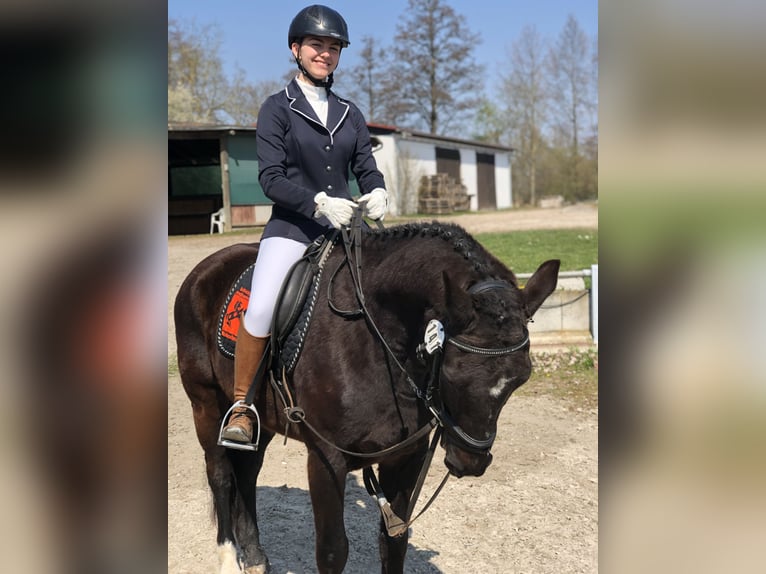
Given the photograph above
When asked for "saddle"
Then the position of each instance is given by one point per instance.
(293, 310)
(295, 304)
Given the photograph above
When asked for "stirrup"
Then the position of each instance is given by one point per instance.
(395, 526)
(251, 446)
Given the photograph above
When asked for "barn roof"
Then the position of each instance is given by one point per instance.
(205, 127)
(382, 129)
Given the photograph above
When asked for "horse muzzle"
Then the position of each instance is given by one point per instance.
(462, 463)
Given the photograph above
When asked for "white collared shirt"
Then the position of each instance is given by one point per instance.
(317, 97)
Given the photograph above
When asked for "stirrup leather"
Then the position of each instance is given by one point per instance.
(251, 446)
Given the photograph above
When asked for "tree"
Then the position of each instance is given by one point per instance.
(195, 69)
(198, 89)
(491, 123)
(572, 80)
(245, 99)
(365, 79)
(180, 104)
(436, 80)
(528, 106)
(591, 144)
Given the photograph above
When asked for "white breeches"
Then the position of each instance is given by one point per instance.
(275, 257)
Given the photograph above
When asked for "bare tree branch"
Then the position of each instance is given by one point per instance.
(571, 71)
(527, 86)
(436, 80)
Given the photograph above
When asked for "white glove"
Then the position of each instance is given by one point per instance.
(336, 209)
(376, 203)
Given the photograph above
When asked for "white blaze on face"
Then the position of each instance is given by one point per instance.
(499, 389)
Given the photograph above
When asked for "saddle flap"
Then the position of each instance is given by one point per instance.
(292, 297)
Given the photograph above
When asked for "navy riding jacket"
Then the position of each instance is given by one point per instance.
(298, 157)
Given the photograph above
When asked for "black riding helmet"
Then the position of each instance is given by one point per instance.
(317, 20)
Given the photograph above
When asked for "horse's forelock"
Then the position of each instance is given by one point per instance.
(501, 304)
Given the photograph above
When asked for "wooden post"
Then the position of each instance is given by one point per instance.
(225, 189)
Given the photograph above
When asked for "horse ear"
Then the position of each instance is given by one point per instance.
(459, 306)
(540, 285)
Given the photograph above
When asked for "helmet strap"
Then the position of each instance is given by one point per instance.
(326, 83)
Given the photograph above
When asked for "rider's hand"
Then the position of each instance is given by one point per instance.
(375, 203)
(336, 209)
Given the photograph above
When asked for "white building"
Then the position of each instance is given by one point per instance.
(405, 156)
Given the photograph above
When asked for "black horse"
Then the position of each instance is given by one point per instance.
(364, 381)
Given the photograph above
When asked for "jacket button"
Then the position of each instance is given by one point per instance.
(329, 188)
(327, 148)
(328, 168)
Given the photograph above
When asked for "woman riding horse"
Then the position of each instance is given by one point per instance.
(307, 139)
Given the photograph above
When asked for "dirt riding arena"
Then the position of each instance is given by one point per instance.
(534, 511)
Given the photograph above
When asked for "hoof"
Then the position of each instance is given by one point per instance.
(258, 569)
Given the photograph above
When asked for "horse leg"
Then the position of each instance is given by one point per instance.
(235, 515)
(247, 466)
(219, 479)
(219, 471)
(398, 482)
(327, 485)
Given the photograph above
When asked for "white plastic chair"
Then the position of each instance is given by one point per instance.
(217, 219)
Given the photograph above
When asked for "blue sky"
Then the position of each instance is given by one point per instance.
(255, 31)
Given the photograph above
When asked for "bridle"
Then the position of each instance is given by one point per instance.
(432, 350)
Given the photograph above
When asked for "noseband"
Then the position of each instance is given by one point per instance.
(433, 347)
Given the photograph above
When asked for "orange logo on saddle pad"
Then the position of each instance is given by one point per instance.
(234, 311)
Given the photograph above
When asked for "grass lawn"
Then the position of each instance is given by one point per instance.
(524, 251)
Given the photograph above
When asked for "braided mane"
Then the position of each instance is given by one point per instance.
(460, 240)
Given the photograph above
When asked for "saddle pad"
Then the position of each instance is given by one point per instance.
(232, 312)
(289, 345)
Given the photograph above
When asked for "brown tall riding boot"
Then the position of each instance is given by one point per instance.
(247, 355)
